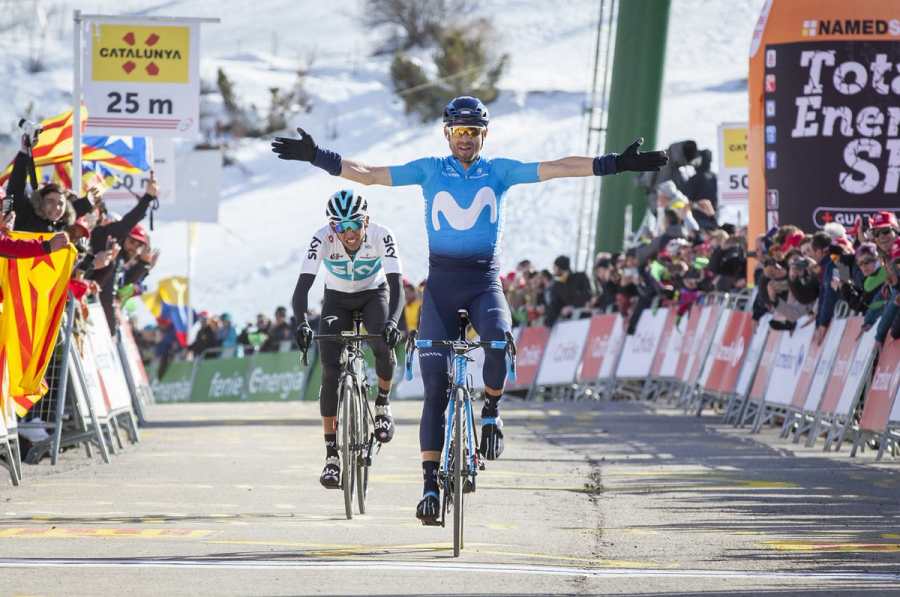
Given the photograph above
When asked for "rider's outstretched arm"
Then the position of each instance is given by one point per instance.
(612, 163)
(305, 149)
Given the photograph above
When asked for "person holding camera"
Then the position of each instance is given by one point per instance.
(49, 208)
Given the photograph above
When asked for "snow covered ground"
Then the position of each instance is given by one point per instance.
(249, 262)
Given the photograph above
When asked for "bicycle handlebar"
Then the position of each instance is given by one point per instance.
(344, 338)
(508, 345)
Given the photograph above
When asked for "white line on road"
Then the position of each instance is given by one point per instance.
(410, 566)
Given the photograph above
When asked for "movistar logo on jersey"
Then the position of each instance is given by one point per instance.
(359, 269)
(462, 218)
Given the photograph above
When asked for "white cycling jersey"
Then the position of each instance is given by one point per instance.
(377, 255)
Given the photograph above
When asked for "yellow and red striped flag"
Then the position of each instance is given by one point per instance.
(34, 298)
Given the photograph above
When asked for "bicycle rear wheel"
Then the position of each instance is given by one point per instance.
(346, 422)
(362, 442)
(456, 473)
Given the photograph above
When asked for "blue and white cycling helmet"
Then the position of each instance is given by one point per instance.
(466, 110)
(346, 205)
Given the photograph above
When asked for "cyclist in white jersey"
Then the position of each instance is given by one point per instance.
(362, 273)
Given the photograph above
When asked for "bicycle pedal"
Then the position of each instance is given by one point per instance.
(430, 522)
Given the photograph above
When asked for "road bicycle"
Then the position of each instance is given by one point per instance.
(460, 458)
(356, 441)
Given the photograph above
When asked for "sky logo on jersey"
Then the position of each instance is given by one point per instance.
(462, 218)
(359, 269)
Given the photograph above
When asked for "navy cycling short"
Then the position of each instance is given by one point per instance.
(447, 291)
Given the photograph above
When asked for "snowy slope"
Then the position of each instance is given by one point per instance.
(249, 263)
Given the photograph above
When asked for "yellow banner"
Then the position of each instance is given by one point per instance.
(34, 298)
(140, 54)
(735, 147)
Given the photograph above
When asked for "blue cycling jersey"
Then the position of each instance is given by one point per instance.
(464, 207)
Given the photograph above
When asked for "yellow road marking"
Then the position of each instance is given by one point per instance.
(811, 546)
(78, 533)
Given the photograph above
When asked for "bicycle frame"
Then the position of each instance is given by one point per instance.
(460, 381)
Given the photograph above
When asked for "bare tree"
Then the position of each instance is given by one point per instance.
(413, 23)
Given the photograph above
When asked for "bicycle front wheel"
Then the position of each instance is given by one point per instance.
(346, 422)
(457, 476)
(362, 441)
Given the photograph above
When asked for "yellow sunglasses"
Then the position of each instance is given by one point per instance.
(472, 131)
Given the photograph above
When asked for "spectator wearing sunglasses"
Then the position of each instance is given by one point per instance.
(869, 297)
(883, 230)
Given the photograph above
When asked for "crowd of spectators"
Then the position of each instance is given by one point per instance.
(114, 252)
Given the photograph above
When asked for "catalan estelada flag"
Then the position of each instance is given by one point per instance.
(34, 298)
(170, 301)
(105, 156)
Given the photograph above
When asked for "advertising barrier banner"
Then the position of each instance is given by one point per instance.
(728, 353)
(852, 383)
(826, 363)
(259, 377)
(597, 349)
(563, 353)
(880, 397)
(640, 348)
(754, 352)
(764, 369)
(530, 348)
(843, 358)
(787, 363)
(665, 345)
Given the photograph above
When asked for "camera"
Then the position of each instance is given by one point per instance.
(32, 129)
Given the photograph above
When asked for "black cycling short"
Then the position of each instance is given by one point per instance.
(337, 316)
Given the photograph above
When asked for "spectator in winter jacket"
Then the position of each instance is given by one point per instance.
(412, 304)
(227, 333)
(867, 298)
(48, 208)
(703, 184)
(133, 261)
(606, 285)
(279, 332)
(890, 317)
(207, 339)
(569, 291)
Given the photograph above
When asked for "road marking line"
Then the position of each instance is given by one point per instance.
(412, 566)
(70, 533)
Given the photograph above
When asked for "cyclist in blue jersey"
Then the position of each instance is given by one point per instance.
(464, 195)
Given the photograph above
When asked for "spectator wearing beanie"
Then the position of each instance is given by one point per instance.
(568, 292)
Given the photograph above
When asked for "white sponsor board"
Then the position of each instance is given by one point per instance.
(826, 362)
(640, 348)
(696, 342)
(563, 353)
(141, 77)
(713, 348)
(106, 359)
(788, 363)
(613, 347)
(672, 350)
(754, 352)
(862, 358)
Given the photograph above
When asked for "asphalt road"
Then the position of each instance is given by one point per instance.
(590, 498)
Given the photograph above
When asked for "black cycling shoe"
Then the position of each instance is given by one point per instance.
(491, 437)
(331, 474)
(428, 509)
(384, 424)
